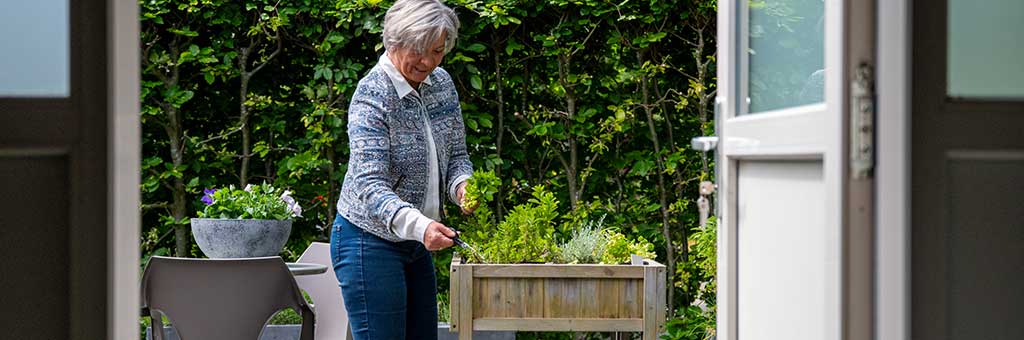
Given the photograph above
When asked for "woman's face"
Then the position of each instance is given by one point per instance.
(415, 66)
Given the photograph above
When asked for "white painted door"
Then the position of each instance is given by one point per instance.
(782, 168)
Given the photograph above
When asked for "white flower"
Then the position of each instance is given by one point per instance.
(288, 199)
(292, 204)
(248, 188)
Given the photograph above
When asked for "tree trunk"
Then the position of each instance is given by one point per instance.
(662, 192)
(175, 131)
(178, 194)
(243, 92)
(243, 121)
(332, 185)
(572, 165)
(499, 84)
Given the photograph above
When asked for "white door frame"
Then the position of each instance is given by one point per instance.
(892, 226)
(816, 143)
(124, 156)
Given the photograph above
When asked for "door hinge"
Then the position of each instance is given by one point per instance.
(862, 122)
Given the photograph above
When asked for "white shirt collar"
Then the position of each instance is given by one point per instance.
(401, 85)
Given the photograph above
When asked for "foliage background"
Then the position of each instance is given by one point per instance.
(594, 100)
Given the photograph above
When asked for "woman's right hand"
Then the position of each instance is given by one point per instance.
(438, 237)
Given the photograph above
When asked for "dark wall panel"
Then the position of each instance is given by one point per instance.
(34, 229)
(985, 256)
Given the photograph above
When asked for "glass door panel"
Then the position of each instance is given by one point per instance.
(785, 54)
(985, 49)
(34, 44)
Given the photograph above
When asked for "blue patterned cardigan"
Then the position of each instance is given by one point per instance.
(387, 168)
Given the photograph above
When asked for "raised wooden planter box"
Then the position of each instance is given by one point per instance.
(558, 297)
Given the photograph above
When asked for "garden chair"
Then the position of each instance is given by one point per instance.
(332, 319)
(223, 299)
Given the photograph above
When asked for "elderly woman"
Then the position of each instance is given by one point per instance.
(408, 152)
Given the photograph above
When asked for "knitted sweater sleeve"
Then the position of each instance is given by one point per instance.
(370, 154)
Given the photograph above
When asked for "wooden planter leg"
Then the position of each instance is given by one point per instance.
(650, 303)
(466, 303)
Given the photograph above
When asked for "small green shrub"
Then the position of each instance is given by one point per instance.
(619, 248)
(526, 235)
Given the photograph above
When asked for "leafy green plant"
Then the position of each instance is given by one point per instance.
(526, 235)
(690, 323)
(705, 247)
(443, 307)
(619, 248)
(261, 201)
(480, 188)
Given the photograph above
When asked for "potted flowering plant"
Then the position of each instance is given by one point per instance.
(251, 222)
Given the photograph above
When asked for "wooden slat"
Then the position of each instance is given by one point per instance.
(516, 291)
(490, 298)
(609, 298)
(558, 324)
(571, 298)
(588, 305)
(534, 298)
(454, 282)
(466, 305)
(650, 303)
(559, 271)
(632, 305)
(552, 298)
(480, 303)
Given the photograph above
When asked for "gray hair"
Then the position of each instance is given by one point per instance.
(415, 24)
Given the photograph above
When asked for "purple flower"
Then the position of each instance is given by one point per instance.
(208, 196)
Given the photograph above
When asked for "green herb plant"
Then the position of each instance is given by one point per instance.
(526, 235)
(619, 248)
(593, 243)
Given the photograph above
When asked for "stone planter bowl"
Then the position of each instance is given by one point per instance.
(235, 238)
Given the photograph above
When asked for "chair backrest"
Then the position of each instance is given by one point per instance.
(323, 288)
(222, 299)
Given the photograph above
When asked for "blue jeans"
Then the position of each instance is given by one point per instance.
(389, 288)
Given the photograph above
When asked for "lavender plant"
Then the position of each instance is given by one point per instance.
(587, 245)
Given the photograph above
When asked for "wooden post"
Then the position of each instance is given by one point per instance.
(453, 294)
(651, 306)
(466, 303)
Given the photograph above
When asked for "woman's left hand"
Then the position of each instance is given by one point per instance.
(461, 194)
